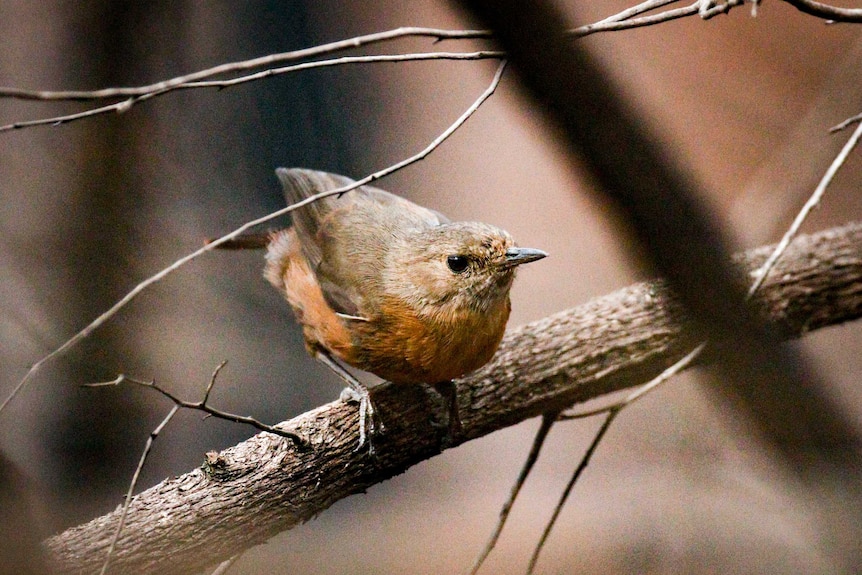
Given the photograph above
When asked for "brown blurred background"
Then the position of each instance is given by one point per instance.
(90, 209)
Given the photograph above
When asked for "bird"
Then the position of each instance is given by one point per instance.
(391, 287)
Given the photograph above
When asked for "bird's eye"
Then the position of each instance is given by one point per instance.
(457, 263)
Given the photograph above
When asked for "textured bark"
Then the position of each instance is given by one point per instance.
(249, 492)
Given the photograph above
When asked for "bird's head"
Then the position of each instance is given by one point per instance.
(456, 267)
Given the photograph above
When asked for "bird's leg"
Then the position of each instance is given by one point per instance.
(355, 392)
(449, 393)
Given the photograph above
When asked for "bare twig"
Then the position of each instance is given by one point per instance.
(169, 86)
(122, 521)
(691, 357)
(96, 323)
(624, 20)
(235, 67)
(833, 13)
(845, 124)
(203, 406)
(126, 105)
(812, 203)
(612, 411)
(581, 466)
(195, 79)
(133, 95)
(119, 108)
(636, 10)
(377, 58)
(548, 420)
(673, 370)
(155, 433)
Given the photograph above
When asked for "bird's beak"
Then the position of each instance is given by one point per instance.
(518, 256)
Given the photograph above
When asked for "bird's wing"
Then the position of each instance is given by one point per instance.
(344, 237)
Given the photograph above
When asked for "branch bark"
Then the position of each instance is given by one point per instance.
(656, 198)
(246, 494)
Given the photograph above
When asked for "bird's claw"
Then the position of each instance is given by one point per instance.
(367, 425)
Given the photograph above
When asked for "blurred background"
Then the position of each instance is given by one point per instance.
(92, 208)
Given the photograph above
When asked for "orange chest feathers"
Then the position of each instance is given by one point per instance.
(403, 348)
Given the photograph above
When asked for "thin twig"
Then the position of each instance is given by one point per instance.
(377, 58)
(235, 67)
(812, 203)
(671, 371)
(211, 384)
(636, 10)
(548, 421)
(96, 323)
(150, 440)
(692, 356)
(133, 95)
(581, 466)
(826, 11)
(194, 79)
(316, 51)
(119, 108)
(126, 104)
(612, 411)
(178, 404)
(845, 124)
(614, 24)
(203, 406)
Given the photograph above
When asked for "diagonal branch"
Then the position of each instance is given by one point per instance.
(833, 13)
(681, 238)
(252, 491)
(122, 519)
(606, 424)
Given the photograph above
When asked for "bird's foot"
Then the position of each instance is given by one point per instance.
(356, 392)
(367, 421)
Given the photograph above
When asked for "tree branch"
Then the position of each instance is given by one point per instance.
(655, 196)
(437, 34)
(248, 493)
(132, 95)
(834, 13)
(125, 105)
(625, 20)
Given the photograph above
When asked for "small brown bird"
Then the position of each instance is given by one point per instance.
(390, 287)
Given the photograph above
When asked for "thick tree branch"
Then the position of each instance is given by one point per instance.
(682, 240)
(248, 493)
